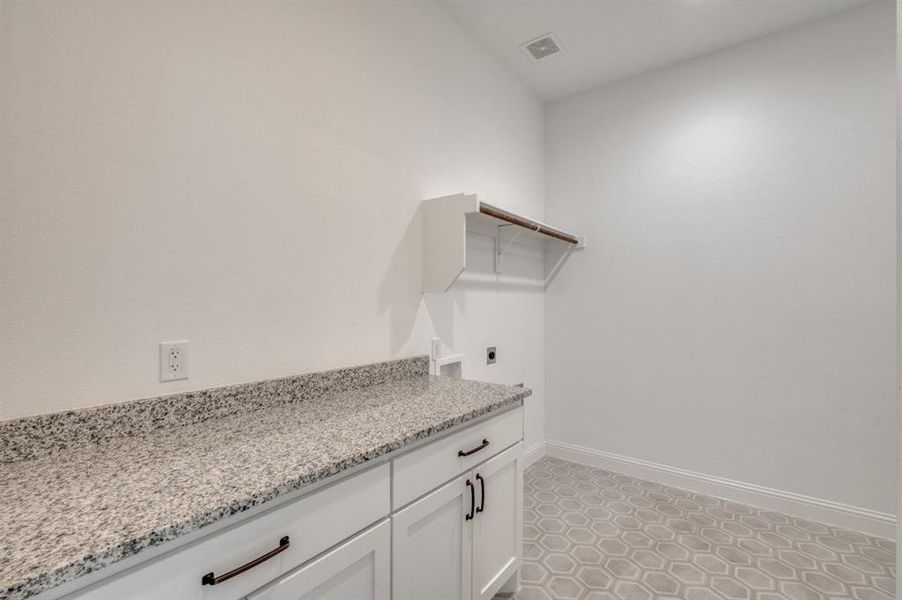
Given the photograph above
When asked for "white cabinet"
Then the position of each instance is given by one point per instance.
(453, 534)
(461, 541)
(497, 530)
(430, 546)
(359, 569)
(426, 468)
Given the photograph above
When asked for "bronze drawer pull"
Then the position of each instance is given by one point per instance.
(481, 481)
(484, 444)
(472, 512)
(210, 579)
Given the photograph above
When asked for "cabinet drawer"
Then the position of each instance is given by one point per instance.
(428, 467)
(359, 569)
(313, 523)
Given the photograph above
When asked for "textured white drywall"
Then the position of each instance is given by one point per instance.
(735, 312)
(245, 176)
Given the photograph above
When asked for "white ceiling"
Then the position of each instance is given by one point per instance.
(606, 40)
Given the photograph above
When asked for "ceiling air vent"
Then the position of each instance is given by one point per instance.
(541, 47)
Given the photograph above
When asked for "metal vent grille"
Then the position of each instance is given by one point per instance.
(542, 47)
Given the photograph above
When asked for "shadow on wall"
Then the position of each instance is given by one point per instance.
(441, 308)
(528, 263)
(401, 287)
(556, 254)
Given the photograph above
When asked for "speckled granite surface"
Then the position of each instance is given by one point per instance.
(71, 513)
(31, 437)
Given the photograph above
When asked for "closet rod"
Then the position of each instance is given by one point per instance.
(498, 213)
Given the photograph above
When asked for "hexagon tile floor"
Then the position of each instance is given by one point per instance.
(591, 534)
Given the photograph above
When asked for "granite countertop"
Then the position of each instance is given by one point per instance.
(66, 514)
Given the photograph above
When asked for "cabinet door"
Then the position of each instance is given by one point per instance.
(432, 544)
(497, 528)
(359, 569)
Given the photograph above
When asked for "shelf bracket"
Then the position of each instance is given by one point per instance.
(501, 247)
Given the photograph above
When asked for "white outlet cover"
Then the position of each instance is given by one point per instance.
(174, 360)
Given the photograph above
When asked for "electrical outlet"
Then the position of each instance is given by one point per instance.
(173, 360)
(436, 348)
(491, 355)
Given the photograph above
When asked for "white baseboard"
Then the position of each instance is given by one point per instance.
(533, 454)
(806, 507)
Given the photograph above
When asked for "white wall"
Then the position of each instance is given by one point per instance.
(898, 303)
(512, 299)
(734, 314)
(246, 176)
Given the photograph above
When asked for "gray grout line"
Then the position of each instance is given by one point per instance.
(591, 534)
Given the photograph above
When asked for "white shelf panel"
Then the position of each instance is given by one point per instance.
(444, 223)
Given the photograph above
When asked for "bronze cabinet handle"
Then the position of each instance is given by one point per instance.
(472, 500)
(482, 493)
(210, 579)
(484, 444)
